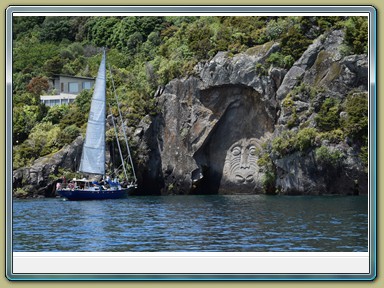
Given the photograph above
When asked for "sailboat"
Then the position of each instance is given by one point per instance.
(93, 153)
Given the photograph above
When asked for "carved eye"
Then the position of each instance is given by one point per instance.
(236, 151)
(252, 150)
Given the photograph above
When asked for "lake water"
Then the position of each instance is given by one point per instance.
(256, 223)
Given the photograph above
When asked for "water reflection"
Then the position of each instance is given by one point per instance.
(249, 223)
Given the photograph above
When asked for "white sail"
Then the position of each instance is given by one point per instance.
(93, 156)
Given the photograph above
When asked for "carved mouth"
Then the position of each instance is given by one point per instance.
(241, 179)
(249, 178)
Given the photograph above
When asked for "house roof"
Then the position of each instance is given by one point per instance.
(71, 76)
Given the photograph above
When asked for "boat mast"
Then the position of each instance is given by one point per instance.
(123, 126)
(118, 142)
(105, 105)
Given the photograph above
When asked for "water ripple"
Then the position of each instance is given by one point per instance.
(193, 223)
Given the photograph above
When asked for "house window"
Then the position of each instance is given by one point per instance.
(73, 87)
(87, 85)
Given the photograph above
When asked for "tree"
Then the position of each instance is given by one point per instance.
(56, 28)
(56, 113)
(38, 85)
(22, 26)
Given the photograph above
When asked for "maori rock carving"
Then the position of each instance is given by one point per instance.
(240, 165)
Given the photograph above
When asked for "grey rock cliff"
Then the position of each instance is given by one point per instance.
(214, 126)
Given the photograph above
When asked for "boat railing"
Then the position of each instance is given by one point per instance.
(81, 185)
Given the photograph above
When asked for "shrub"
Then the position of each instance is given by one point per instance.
(288, 61)
(356, 34)
(294, 43)
(276, 59)
(293, 120)
(328, 117)
(355, 124)
(20, 193)
(260, 70)
(68, 134)
(56, 113)
(269, 182)
(284, 144)
(326, 156)
(305, 138)
(44, 137)
(269, 177)
(333, 136)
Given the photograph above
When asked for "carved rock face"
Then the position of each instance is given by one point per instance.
(241, 162)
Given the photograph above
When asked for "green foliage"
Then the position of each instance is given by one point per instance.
(314, 26)
(20, 193)
(68, 134)
(328, 117)
(44, 138)
(355, 124)
(83, 101)
(25, 99)
(356, 34)
(30, 55)
(54, 65)
(290, 141)
(100, 28)
(327, 157)
(22, 26)
(305, 138)
(24, 118)
(56, 113)
(260, 70)
(294, 43)
(333, 136)
(269, 176)
(198, 39)
(277, 27)
(269, 181)
(54, 28)
(283, 144)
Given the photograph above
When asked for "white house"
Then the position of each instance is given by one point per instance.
(66, 88)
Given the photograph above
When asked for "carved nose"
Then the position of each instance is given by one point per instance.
(244, 161)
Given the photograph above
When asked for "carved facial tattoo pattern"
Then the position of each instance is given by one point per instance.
(241, 162)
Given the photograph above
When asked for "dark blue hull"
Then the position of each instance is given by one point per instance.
(76, 195)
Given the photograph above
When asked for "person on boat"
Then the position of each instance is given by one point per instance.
(71, 185)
